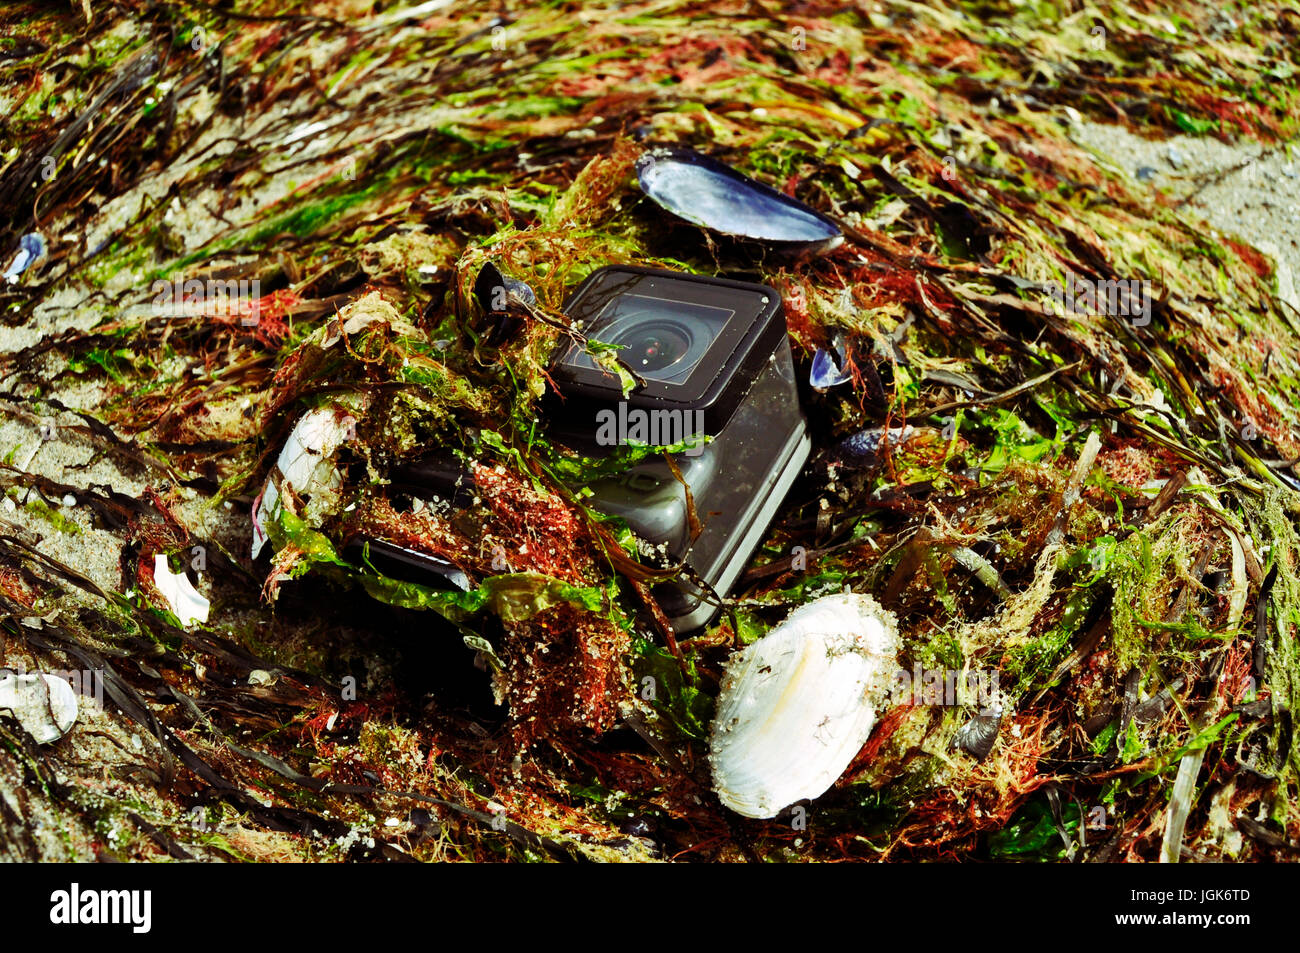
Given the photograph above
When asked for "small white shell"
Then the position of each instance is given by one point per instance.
(304, 463)
(185, 601)
(799, 704)
(45, 705)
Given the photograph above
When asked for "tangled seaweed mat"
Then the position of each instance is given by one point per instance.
(1099, 510)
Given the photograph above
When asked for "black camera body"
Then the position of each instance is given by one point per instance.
(712, 359)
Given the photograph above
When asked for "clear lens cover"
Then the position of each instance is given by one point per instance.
(660, 339)
(694, 341)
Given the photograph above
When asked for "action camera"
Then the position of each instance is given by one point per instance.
(713, 377)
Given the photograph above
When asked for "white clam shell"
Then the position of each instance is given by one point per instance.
(798, 704)
(45, 705)
(304, 463)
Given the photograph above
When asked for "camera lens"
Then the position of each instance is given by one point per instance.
(655, 345)
(659, 339)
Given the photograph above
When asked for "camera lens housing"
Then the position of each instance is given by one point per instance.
(712, 357)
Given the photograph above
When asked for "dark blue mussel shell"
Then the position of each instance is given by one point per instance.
(705, 192)
(864, 450)
(505, 300)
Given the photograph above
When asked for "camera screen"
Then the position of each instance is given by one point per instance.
(660, 339)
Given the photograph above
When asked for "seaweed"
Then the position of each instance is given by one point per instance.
(1095, 511)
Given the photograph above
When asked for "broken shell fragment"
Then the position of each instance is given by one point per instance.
(704, 191)
(31, 249)
(830, 369)
(45, 705)
(304, 464)
(826, 373)
(797, 705)
(188, 605)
